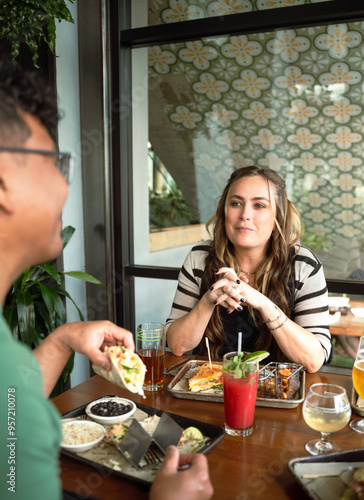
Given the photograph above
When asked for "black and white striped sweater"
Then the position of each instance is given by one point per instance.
(310, 311)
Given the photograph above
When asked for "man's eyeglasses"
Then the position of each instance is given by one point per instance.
(63, 161)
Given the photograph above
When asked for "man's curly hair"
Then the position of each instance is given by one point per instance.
(23, 91)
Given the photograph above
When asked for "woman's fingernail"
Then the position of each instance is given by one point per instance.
(211, 288)
(215, 302)
(238, 282)
(240, 308)
(242, 299)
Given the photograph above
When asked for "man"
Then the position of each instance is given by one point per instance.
(33, 189)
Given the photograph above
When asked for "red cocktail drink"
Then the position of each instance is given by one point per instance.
(240, 392)
(239, 399)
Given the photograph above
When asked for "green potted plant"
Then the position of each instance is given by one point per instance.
(34, 306)
(31, 21)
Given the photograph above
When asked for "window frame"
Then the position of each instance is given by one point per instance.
(318, 14)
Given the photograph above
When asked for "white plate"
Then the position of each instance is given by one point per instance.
(84, 446)
(114, 419)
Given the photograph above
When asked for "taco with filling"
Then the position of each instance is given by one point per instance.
(127, 369)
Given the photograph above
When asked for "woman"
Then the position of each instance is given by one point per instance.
(253, 277)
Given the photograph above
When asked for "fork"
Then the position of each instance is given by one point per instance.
(151, 456)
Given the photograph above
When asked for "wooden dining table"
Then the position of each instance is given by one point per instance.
(348, 324)
(241, 468)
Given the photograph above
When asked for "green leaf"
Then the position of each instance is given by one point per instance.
(67, 234)
(52, 272)
(66, 294)
(70, 363)
(43, 311)
(59, 307)
(35, 273)
(83, 276)
(11, 316)
(39, 337)
(51, 28)
(49, 302)
(25, 277)
(26, 317)
(17, 284)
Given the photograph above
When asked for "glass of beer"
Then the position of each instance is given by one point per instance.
(326, 409)
(358, 382)
(150, 344)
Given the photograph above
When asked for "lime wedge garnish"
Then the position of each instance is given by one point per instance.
(192, 434)
(256, 356)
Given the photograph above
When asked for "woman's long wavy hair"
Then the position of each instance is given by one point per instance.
(273, 274)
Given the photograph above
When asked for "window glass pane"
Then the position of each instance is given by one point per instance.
(346, 327)
(290, 100)
(155, 311)
(152, 12)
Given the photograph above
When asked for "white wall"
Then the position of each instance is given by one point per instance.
(70, 141)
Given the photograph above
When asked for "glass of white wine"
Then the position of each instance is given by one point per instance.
(326, 409)
(358, 382)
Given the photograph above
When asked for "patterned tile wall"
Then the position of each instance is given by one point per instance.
(172, 11)
(290, 100)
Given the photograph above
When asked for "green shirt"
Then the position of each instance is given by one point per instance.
(30, 432)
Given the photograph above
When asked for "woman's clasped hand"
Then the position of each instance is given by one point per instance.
(232, 291)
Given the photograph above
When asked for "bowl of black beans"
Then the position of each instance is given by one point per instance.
(110, 410)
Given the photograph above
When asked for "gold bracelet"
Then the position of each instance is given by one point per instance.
(275, 319)
(276, 328)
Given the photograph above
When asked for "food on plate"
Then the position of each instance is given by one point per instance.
(116, 433)
(127, 369)
(110, 409)
(191, 434)
(74, 433)
(358, 475)
(278, 385)
(206, 378)
(356, 486)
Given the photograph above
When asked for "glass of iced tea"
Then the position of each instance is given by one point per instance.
(358, 382)
(150, 344)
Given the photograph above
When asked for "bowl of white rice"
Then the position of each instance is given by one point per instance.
(81, 435)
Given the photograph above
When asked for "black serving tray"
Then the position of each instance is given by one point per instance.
(214, 432)
(342, 459)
